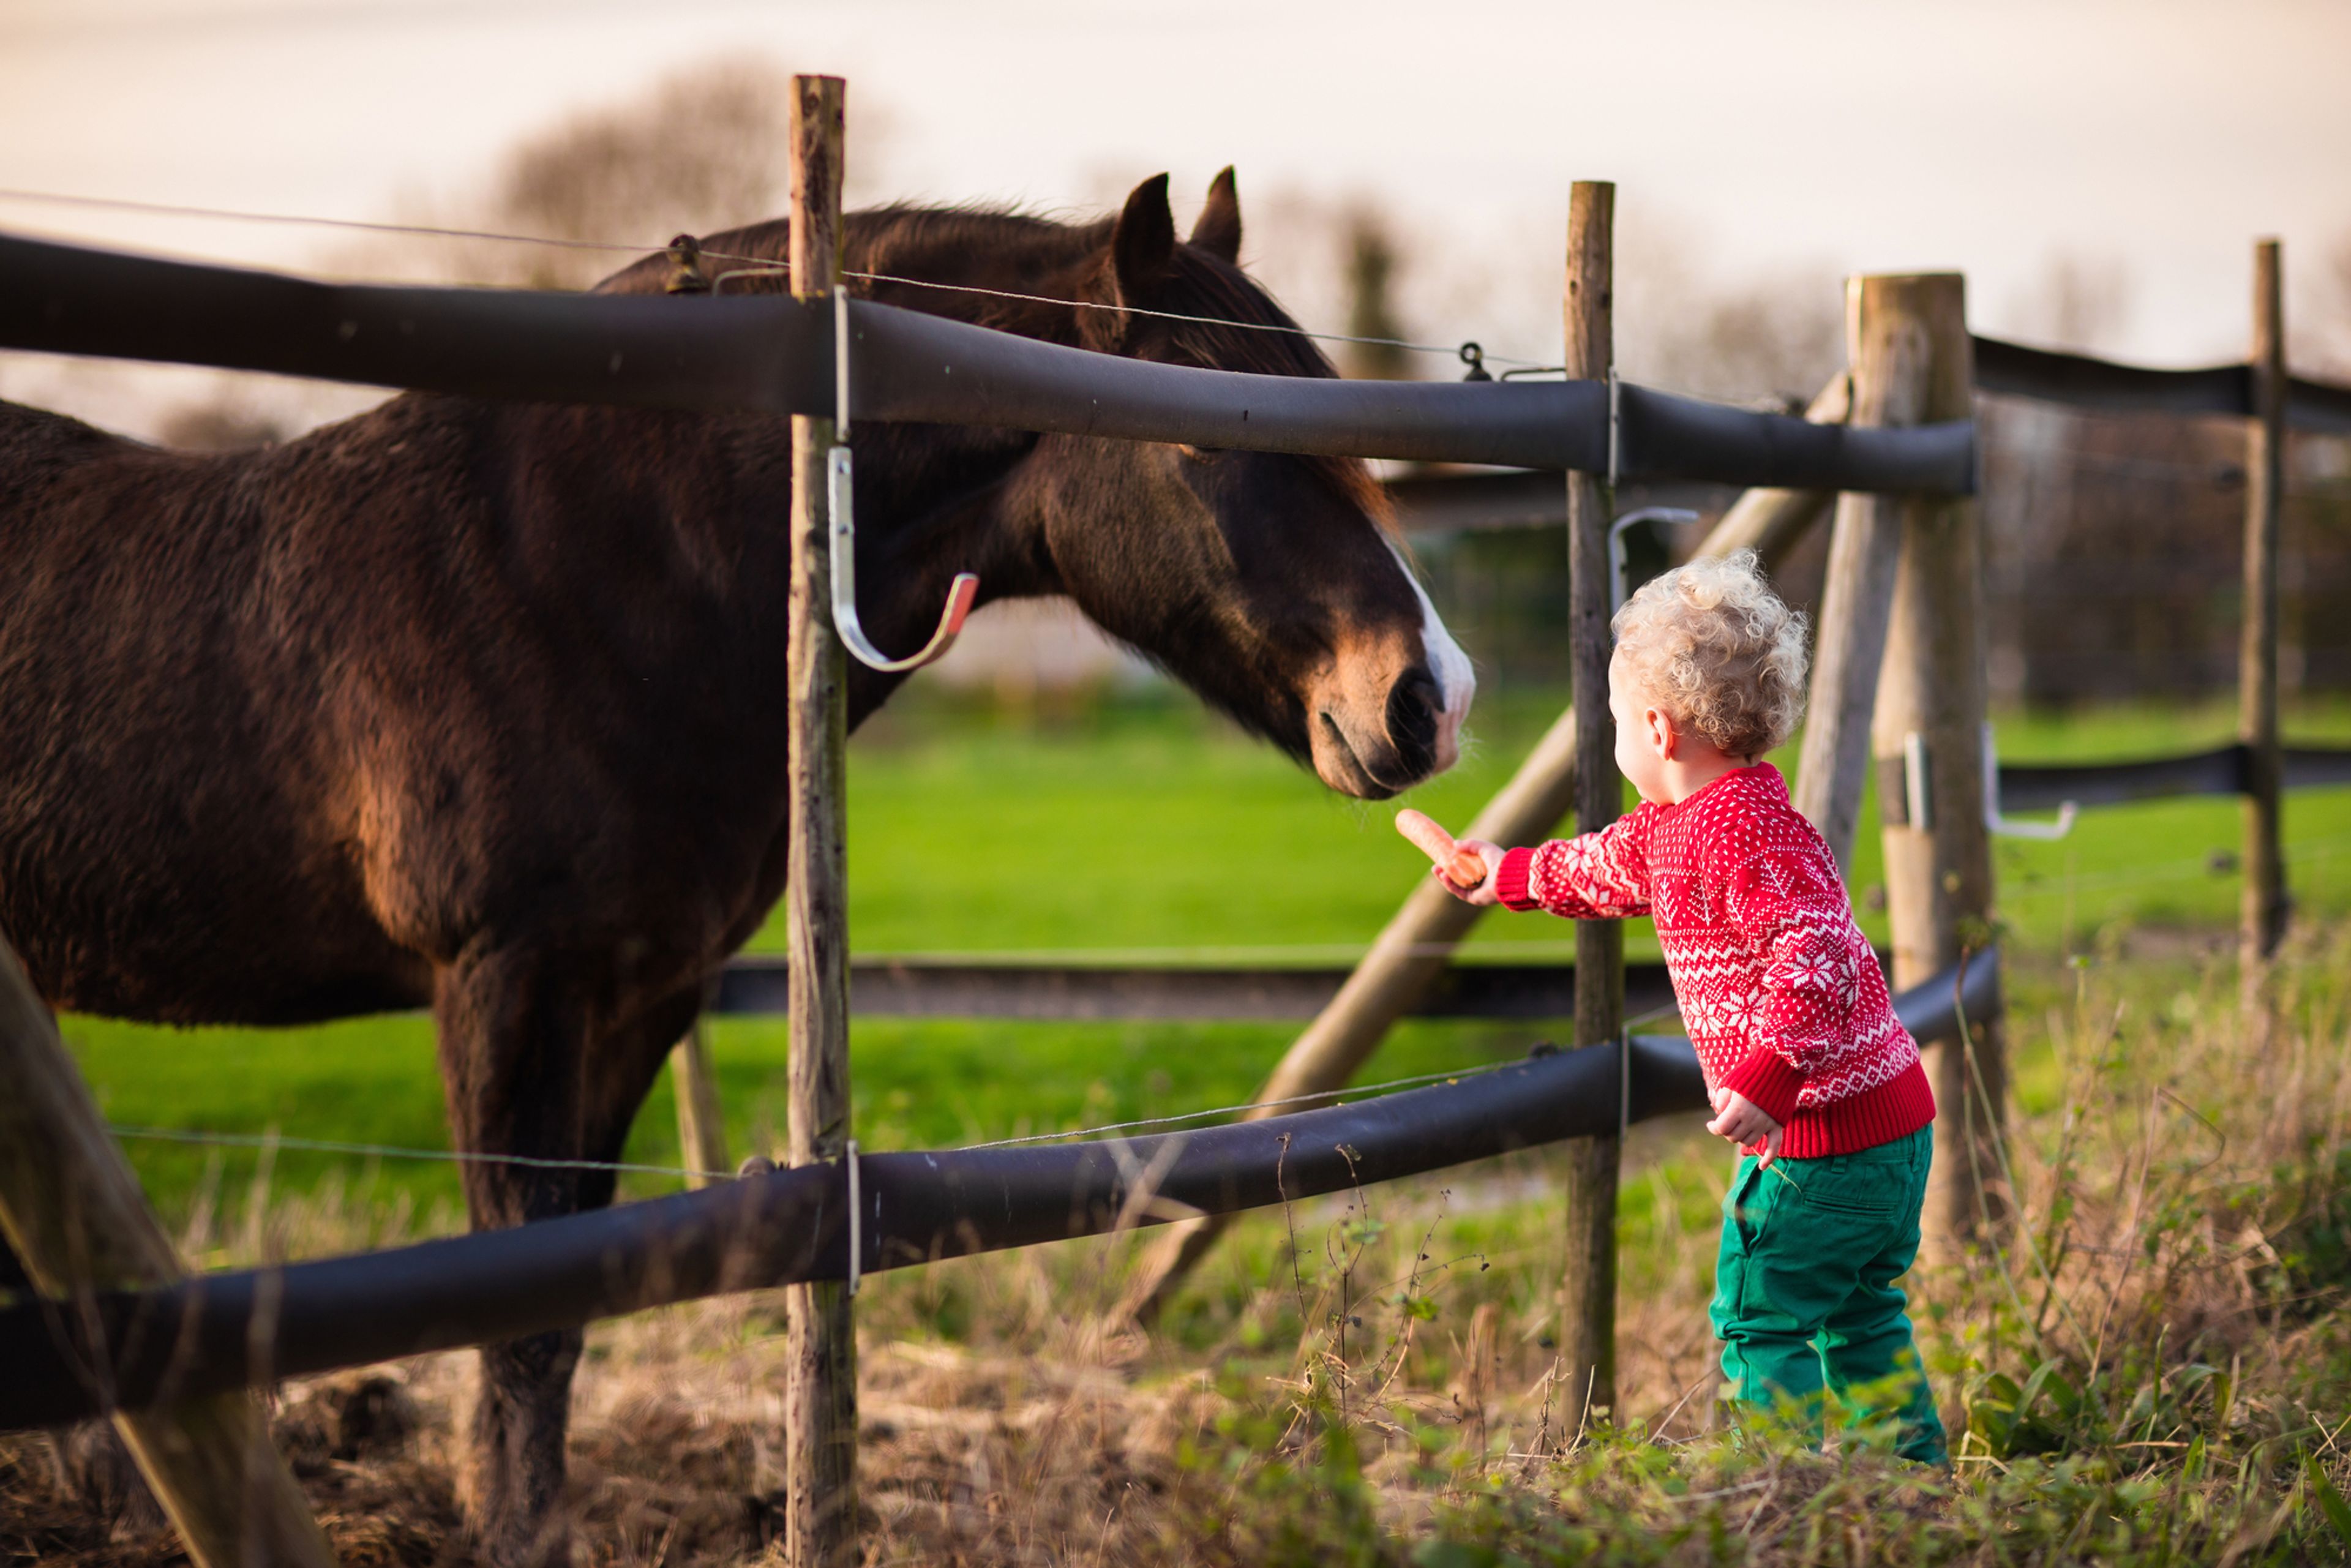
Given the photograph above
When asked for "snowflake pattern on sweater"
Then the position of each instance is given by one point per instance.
(1782, 996)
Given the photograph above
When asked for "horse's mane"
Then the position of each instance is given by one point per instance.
(1064, 267)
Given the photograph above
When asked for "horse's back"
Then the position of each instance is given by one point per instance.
(148, 817)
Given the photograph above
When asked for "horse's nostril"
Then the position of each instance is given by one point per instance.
(1413, 703)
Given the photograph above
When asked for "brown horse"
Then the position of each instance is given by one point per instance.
(480, 706)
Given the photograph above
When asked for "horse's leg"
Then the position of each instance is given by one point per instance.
(529, 1072)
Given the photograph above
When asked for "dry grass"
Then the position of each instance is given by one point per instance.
(2154, 1368)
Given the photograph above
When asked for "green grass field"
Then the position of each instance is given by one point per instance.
(1159, 826)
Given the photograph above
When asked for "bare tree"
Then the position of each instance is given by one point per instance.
(703, 150)
(1773, 343)
(1370, 267)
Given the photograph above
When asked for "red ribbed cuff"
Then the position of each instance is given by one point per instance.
(1511, 882)
(1874, 1116)
(1768, 1082)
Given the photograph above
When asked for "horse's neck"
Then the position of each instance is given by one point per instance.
(934, 502)
(999, 269)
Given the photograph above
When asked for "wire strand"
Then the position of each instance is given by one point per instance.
(230, 215)
(759, 265)
(393, 1151)
(456, 1156)
(1365, 1090)
(1449, 350)
(1234, 953)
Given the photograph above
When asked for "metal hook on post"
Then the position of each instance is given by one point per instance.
(840, 505)
(1619, 589)
(2010, 827)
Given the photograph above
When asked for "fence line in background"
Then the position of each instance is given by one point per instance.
(2085, 381)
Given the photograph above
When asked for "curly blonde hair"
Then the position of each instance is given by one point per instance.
(1711, 644)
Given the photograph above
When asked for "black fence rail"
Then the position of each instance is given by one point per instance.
(946, 987)
(67, 1361)
(776, 355)
(2223, 771)
(2086, 383)
(1457, 503)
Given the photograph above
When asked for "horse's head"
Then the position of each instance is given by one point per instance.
(1272, 585)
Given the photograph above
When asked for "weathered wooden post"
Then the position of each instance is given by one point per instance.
(1587, 1366)
(74, 1213)
(1912, 363)
(2262, 920)
(1850, 642)
(1855, 602)
(821, 1394)
(701, 1115)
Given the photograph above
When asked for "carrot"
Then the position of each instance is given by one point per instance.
(1464, 869)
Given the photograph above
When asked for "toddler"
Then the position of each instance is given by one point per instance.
(1808, 1070)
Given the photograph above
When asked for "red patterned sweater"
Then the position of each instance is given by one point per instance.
(1778, 988)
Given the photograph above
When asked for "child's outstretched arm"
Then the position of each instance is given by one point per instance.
(1600, 876)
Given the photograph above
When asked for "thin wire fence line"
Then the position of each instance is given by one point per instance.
(768, 266)
(392, 1151)
(1361, 1091)
(1451, 349)
(759, 266)
(1348, 952)
(296, 220)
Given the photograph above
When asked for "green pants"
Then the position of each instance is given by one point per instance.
(1804, 1290)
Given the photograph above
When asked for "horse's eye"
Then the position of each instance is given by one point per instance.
(1201, 454)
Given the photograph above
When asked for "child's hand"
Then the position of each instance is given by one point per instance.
(1466, 866)
(1743, 1122)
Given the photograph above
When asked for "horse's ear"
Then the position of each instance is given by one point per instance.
(1219, 231)
(1143, 248)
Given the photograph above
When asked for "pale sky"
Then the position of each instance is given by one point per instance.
(2157, 137)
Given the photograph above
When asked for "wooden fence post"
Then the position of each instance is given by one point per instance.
(73, 1211)
(1587, 1365)
(1928, 736)
(701, 1115)
(2262, 921)
(1865, 545)
(821, 1394)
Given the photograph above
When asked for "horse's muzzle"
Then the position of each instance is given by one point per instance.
(1409, 737)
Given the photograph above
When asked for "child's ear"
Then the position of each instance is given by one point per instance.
(1661, 733)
